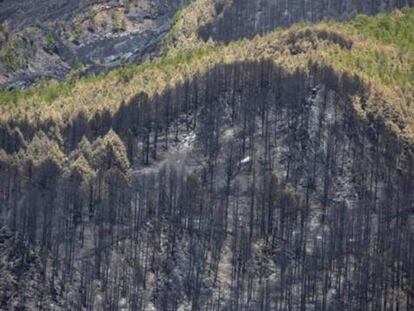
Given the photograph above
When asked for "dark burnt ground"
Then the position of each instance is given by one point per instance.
(25, 12)
(246, 18)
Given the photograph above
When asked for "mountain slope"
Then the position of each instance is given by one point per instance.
(244, 19)
(267, 174)
(52, 38)
(385, 67)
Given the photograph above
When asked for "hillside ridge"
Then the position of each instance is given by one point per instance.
(268, 173)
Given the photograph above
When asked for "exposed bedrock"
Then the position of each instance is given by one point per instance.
(49, 38)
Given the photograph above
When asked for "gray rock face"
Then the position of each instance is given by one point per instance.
(246, 18)
(98, 34)
(23, 13)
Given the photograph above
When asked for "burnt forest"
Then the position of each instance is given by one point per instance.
(211, 155)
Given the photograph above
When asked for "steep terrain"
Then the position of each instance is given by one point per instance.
(267, 174)
(53, 38)
(49, 38)
(246, 18)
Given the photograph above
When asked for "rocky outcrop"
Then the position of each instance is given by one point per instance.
(61, 35)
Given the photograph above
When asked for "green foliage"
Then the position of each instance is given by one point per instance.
(5, 27)
(49, 90)
(41, 148)
(367, 57)
(10, 54)
(11, 59)
(16, 52)
(376, 63)
(390, 28)
(9, 97)
(82, 168)
(169, 38)
(123, 25)
(75, 72)
(90, 15)
(4, 31)
(395, 29)
(115, 22)
(50, 43)
(109, 152)
(77, 30)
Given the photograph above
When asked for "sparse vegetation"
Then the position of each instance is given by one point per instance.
(127, 7)
(385, 66)
(4, 31)
(115, 22)
(11, 59)
(50, 43)
(123, 26)
(267, 174)
(77, 30)
(183, 34)
(16, 52)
